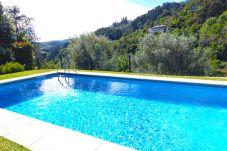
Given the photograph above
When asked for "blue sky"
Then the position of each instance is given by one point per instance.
(79, 16)
(152, 3)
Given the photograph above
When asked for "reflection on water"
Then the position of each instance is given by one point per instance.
(153, 91)
(59, 83)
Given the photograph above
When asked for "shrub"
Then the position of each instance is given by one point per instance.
(121, 63)
(11, 67)
(107, 65)
(49, 65)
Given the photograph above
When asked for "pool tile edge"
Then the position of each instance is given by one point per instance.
(152, 78)
(26, 77)
(155, 78)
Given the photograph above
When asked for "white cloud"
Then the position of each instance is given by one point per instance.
(60, 19)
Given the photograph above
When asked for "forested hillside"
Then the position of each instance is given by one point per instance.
(194, 44)
(19, 49)
(51, 48)
(125, 27)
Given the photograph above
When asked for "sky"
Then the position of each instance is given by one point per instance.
(62, 19)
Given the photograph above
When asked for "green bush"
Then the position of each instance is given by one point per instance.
(11, 67)
(122, 63)
(49, 65)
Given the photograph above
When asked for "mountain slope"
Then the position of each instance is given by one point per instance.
(51, 48)
(203, 19)
(190, 19)
(125, 27)
(53, 45)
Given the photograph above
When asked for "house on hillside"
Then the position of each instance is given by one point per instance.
(159, 28)
(194, 8)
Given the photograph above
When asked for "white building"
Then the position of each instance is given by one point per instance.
(159, 28)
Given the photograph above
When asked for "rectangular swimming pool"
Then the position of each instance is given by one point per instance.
(140, 114)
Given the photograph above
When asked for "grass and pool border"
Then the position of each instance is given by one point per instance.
(33, 72)
(222, 81)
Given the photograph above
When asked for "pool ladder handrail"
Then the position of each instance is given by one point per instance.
(68, 85)
(67, 81)
(64, 73)
(65, 78)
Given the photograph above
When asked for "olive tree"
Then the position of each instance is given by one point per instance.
(90, 51)
(168, 54)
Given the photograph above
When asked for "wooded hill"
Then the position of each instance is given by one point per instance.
(125, 27)
(204, 20)
(196, 43)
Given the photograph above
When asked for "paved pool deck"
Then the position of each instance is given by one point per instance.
(42, 136)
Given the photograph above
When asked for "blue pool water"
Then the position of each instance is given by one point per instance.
(144, 115)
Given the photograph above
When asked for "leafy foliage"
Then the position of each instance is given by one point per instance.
(17, 38)
(117, 30)
(23, 54)
(125, 27)
(51, 49)
(213, 36)
(122, 63)
(169, 54)
(89, 51)
(190, 19)
(195, 45)
(7, 29)
(49, 65)
(5, 55)
(11, 67)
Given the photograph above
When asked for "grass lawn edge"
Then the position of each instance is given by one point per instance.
(6, 144)
(33, 72)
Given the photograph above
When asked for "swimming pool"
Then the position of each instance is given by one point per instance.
(144, 115)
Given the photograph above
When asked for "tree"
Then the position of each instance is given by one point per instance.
(5, 55)
(7, 29)
(210, 8)
(168, 54)
(213, 35)
(89, 51)
(24, 27)
(126, 27)
(24, 54)
(38, 56)
(16, 37)
(122, 63)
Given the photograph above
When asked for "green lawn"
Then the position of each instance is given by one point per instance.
(7, 145)
(158, 75)
(26, 73)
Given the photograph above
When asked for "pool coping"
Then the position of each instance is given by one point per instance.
(26, 77)
(154, 78)
(39, 135)
(139, 77)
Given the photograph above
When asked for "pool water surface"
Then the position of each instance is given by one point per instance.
(140, 114)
